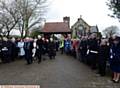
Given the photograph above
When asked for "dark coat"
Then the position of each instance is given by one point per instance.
(51, 49)
(115, 58)
(5, 51)
(83, 47)
(40, 46)
(0, 48)
(5, 47)
(103, 53)
(93, 53)
(115, 53)
(45, 47)
(11, 48)
(28, 46)
(14, 49)
(93, 44)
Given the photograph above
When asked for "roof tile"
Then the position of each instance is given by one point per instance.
(56, 27)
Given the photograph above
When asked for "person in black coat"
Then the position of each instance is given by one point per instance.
(83, 49)
(57, 45)
(51, 49)
(45, 46)
(5, 50)
(115, 59)
(46, 42)
(40, 47)
(0, 48)
(103, 55)
(93, 51)
(28, 46)
(12, 49)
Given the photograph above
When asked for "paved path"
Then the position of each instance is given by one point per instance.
(63, 72)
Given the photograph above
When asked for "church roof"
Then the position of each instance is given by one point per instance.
(94, 29)
(56, 27)
(79, 20)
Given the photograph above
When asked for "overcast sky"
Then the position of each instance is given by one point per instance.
(94, 12)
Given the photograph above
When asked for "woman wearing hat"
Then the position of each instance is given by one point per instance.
(115, 59)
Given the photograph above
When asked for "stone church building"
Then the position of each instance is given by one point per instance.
(82, 28)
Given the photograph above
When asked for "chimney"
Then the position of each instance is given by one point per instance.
(66, 20)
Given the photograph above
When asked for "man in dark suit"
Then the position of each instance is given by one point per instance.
(13, 49)
(0, 48)
(51, 49)
(5, 50)
(83, 49)
(93, 51)
(39, 48)
(28, 51)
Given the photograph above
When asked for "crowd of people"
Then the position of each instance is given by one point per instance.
(94, 51)
(97, 53)
(28, 48)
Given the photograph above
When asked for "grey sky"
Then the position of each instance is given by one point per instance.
(94, 12)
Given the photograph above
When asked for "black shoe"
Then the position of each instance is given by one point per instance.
(28, 64)
(53, 57)
(93, 68)
(44, 59)
(116, 81)
(102, 75)
(39, 62)
(50, 58)
(97, 72)
(112, 80)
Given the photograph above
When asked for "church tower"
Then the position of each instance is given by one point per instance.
(66, 20)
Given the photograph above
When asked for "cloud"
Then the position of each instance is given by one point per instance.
(93, 11)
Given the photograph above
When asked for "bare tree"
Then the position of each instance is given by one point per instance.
(110, 31)
(21, 14)
(1, 26)
(31, 12)
(9, 16)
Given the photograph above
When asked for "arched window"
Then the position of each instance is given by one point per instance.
(80, 30)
